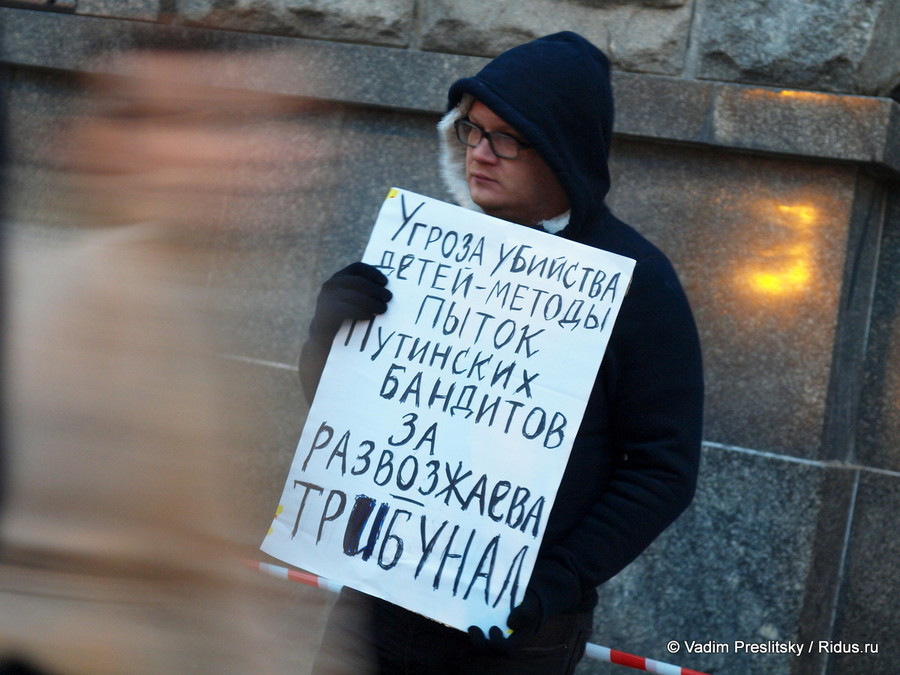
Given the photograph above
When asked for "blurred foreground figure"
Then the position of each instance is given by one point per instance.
(118, 547)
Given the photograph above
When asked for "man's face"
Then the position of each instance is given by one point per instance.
(522, 190)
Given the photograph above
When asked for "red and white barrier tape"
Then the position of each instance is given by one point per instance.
(295, 575)
(608, 655)
(592, 651)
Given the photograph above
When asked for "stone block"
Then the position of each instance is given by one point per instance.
(831, 45)
(639, 36)
(146, 10)
(662, 107)
(56, 5)
(759, 246)
(861, 129)
(878, 439)
(800, 122)
(868, 617)
(271, 238)
(38, 108)
(836, 493)
(638, 3)
(367, 75)
(380, 150)
(733, 568)
(383, 22)
(853, 329)
(272, 413)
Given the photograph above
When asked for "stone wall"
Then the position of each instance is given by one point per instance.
(828, 45)
(756, 144)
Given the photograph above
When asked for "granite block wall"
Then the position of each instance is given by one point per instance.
(759, 244)
(829, 45)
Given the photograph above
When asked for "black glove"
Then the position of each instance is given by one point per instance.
(356, 292)
(525, 621)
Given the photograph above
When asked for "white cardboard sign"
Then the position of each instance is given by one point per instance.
(440, 430)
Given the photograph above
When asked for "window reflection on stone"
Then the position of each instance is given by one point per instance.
(787, 267)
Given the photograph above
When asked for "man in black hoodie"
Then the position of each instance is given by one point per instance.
(527, 140)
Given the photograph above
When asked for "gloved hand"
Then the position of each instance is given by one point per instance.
(525, 621)
(356, 292)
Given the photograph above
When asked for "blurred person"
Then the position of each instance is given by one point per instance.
(119, 553)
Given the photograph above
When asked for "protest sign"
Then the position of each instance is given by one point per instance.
(440, 430)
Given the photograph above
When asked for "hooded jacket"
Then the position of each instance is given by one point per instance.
(633, 466)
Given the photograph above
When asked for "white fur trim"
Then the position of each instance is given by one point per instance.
(453, 154)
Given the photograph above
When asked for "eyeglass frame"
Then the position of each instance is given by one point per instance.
(459, 124)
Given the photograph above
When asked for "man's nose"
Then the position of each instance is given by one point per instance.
(483, 151)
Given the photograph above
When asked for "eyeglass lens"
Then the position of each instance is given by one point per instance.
(501, 145)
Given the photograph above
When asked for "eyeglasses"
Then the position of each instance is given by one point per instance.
(502, 145)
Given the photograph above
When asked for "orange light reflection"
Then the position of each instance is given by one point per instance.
(785, 269)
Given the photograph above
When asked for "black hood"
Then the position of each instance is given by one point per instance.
(556, 92)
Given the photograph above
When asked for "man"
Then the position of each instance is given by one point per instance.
(527, 140)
